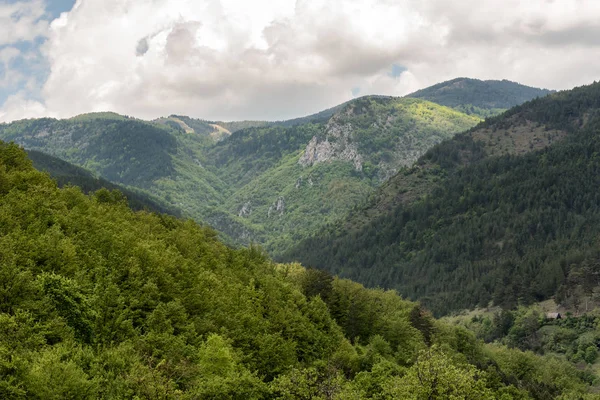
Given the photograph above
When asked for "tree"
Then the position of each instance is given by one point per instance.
(436, 376)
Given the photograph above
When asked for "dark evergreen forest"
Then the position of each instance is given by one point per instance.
(505, 229)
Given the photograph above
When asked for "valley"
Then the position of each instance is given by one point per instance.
(299, 200)
(270, 183)
(420, 199)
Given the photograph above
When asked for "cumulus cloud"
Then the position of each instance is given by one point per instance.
(234, 59)
(22, 21)
(19, 106)
(23, 25)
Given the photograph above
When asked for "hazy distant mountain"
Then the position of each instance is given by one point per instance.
(481, 98)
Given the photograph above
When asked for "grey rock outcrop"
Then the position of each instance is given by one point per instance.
(246, 210)
(336, 145)
(277, 207)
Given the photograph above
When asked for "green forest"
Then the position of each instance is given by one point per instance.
(196, 168)
(477, 228)
(246, 178)
(482, 98)
(68, 174)
(99, 301)
(573, 336)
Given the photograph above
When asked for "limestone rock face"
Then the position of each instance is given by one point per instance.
(316, 151)
(337, 144)
(246, 210)
(277, 207)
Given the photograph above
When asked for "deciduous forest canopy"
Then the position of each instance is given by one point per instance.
(294, 200)
(98, 301)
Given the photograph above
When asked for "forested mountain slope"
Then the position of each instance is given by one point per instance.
(481, 98)
(158, 157)
(99, 302)
(68, 174)
(501, 213)
(289, 181)
(271, 183)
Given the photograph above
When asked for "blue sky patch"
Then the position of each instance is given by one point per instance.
(53, 7)
(56, 7)
(397, 70)
(30, 62)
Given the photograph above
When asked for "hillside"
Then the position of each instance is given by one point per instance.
(501, 214)
(68, 174)
(271, 184)
(477, 97)
(574, 335)
(289, 181)
(151, 156)
(99, 302)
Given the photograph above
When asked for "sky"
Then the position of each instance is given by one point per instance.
(273, 60)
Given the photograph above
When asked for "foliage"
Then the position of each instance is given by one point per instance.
(192, 166)
(576, 338)
(261, 164)
(234, 126)
(68, 174)
(504, 229)
(98, 301)
(109, 146)
(434, 376)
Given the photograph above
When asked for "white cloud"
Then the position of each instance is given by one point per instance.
(22, 21)
(235, 59)
(19, 106)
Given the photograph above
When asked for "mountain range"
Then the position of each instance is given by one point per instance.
(272, 183)
(481, 98)
(100, 301)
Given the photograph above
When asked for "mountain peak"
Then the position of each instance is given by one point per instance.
(478, 97)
